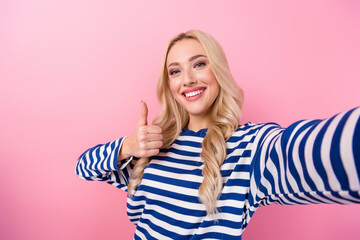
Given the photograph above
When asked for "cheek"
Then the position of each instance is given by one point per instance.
(207, 77)
(216, 89)
(174, 87)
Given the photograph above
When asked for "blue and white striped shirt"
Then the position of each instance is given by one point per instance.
(309, 162)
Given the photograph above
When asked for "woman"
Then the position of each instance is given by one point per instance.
(196, 174)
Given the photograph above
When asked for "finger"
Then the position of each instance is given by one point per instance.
(143, 114)
(153, 137)
(148, 153)
(153, 129)
(153, 145)
(152, 152)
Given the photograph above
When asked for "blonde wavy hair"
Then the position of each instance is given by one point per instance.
(225, 118)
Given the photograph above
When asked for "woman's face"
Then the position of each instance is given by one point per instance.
(191, 79)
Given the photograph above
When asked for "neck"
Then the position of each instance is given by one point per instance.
(197, 123)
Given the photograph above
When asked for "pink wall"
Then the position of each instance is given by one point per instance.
(73, 73)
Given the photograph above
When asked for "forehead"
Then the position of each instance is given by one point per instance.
(183, 50)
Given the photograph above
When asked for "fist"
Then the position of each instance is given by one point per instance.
(146, 140)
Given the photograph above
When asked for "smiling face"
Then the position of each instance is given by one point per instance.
(191, 80)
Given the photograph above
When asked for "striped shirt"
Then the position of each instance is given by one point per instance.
(311, 161)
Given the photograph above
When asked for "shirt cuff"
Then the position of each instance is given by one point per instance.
(124, 162)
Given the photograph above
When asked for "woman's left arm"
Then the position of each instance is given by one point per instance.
(314, 161)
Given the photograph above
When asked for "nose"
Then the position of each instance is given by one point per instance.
(189, 78)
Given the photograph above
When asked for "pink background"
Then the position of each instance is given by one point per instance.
(73, 73)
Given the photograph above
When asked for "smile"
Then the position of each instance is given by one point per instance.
(194, 93)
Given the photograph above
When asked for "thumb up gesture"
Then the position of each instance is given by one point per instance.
(145, 141)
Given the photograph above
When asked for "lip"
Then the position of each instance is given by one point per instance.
(193, 98)
(192, 90)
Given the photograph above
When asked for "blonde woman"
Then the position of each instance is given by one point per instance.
(196, 174)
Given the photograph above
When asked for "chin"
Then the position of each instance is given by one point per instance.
(195, 112)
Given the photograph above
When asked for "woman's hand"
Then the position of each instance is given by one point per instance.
(145, 141)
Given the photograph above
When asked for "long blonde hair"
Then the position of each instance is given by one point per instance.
(224, 119)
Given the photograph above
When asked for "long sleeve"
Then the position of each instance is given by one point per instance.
(315, 161)
(100, 163)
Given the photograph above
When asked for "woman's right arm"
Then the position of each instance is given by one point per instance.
(105, 162)
(112, 162)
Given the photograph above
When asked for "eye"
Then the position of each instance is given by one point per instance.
(173, 72)
(200, 64)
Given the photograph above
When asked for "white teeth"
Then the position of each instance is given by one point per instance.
(191, 94)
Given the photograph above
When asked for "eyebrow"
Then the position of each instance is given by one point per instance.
(190, 59)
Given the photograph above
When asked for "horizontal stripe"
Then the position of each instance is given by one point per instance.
(309, 162)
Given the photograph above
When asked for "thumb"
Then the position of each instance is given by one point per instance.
(143, 114)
